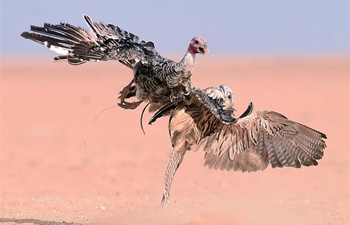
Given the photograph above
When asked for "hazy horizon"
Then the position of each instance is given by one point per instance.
(231, 28)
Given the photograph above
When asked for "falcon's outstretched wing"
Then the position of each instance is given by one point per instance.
(259, 139)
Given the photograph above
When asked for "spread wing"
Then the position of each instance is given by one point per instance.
(107, 42)
(259, 139)
(134, 48)
(248, 143)
(196, 102)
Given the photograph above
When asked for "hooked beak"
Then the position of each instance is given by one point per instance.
(206, 50)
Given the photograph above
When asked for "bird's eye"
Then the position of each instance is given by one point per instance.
(196, 42)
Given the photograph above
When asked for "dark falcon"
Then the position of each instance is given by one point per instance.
(156, 79)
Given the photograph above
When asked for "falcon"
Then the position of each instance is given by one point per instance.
(248, 143)
(156, 79)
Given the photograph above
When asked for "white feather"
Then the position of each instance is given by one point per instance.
(59, 50)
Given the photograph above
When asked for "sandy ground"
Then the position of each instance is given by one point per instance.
(48, 177)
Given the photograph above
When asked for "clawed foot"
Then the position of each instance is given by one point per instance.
(129, 105)
(165, 199)
(128, 92)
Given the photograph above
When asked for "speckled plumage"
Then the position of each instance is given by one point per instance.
(248, 143)
(156, 79)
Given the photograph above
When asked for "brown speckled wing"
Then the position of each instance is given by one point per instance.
(261, 138)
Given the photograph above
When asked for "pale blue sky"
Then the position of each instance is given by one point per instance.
(236, 27)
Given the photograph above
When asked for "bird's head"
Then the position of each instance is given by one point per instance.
(228, 96)
(198, 45)
(223, 96)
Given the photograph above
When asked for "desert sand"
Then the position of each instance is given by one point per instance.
(49, 177)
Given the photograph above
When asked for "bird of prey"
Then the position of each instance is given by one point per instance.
(156, 79)
(248, 143)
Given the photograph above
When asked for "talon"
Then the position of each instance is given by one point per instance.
(125, 92)
(131, 92)
(129, 105)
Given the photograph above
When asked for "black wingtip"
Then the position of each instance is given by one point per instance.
(86, 17)
(149, 44)
(25, 34)
(249, 110)
(89, 22)
(162, 111)
(141, 123)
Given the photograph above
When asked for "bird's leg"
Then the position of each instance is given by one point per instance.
(174, 162)
(127, 92)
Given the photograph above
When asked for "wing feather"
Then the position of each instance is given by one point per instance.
(261, 138)
(250, 144)
(105, 42)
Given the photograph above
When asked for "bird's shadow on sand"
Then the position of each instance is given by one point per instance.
(36, 221)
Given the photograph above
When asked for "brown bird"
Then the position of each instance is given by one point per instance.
(249, 143)
(157, 79)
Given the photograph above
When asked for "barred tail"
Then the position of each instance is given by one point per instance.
(72, 43)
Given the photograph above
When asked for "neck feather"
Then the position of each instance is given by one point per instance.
(189, 59)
